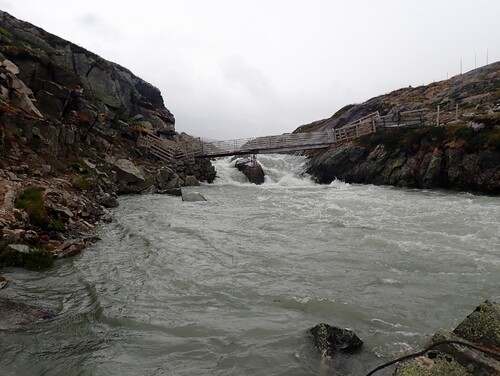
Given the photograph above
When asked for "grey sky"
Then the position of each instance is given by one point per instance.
(242, 68)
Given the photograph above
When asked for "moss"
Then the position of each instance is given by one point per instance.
(439, 366)
(37, 259)
(482, 325)
(57, 225)
(5, 33)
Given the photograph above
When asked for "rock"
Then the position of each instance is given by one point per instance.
(69, 248)
(482, 325)
(4, 282)
(192, 196)
(10, 66)
(331, 340)
(252, 170)
(171, 192)
(15, 314)
(128, 172)
(190, 181)
(107, 200)
(481, 328)
(27, 105)
(21, 248)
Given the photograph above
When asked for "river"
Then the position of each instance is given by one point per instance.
(231, 286)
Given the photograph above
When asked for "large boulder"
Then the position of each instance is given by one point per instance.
(127, 171)
(252, 170)
(331, 340)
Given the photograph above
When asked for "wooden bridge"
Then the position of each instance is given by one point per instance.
(170, 151)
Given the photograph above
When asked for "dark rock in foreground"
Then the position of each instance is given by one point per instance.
(331, 340)
(252, 170)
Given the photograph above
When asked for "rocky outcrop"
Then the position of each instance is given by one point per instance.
(461, 152)
(252, 170)
(53, 69)
(480, 329)
(416, 158)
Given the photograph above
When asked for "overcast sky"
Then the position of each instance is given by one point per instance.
(243, 68)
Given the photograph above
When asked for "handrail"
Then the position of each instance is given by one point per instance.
(169, 151)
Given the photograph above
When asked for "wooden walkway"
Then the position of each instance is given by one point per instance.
(170, 151)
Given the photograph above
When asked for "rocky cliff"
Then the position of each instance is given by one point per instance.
(463, 152)
(69, 121)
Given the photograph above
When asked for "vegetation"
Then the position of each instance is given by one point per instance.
(31, 201)
(405, 138)
(5, 33)
(37, 259)
(408, 138)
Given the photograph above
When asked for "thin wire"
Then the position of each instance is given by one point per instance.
(420, 353)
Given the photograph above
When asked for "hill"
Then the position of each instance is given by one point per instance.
(458, 148)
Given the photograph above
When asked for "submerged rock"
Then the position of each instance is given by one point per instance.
(331, 340)
(192, 196)
(15, 313)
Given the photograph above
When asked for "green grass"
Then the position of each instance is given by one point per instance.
(37, 259)
(31, 201)
(5, 33)
(405, 138)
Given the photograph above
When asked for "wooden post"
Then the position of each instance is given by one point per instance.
(437, 118)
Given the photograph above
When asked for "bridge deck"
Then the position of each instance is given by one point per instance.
(169, 150)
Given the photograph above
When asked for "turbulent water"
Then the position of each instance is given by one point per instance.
(230, 286)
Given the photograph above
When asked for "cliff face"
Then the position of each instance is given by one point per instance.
(69, 121)
(463, 152)
(415, 158)
(52, 67)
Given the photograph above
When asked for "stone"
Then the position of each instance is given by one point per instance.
(482, 325)
(481, 328)
(128, 172)
(171, 192)
(21, 248)
(4, 282)
(49, 103)
(331, 340)
(252, 170)
(190, 181)
(27, 105)
(107, 200)
(69, 248)
(192, 196)
(10, 66)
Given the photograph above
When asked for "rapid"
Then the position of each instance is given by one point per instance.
(231, 286)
